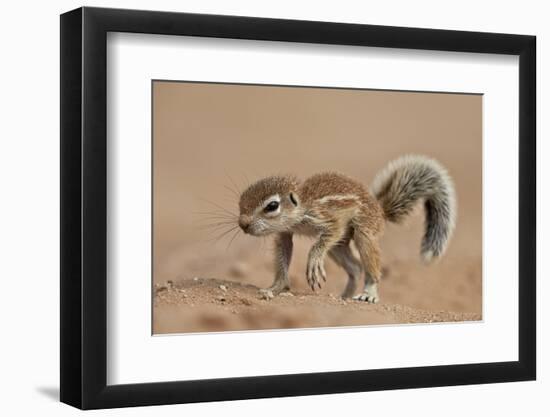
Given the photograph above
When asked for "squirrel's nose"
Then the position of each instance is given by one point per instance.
(244, 222)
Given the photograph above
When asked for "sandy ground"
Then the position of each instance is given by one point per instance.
(211, 139)
(207, 304)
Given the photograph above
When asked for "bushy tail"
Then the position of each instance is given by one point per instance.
(409, 179)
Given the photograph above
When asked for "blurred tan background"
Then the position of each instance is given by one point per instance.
(211, 138)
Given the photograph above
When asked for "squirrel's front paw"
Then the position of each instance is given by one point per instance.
(315, 271)
(276, 289)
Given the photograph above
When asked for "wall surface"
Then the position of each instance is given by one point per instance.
(29, 226)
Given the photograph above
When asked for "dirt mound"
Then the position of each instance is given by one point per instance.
(213, 305)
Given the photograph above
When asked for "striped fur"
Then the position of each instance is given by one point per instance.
(412, 178)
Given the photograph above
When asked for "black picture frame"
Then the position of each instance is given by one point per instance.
(84, 207)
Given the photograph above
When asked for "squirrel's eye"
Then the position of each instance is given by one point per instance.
(274, 205)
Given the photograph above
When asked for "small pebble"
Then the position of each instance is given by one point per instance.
(160, 288)
(223, 288)
(286, 294)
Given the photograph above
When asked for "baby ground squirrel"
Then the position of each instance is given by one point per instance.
(336, 209)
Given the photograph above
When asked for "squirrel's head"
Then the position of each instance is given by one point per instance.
(270, 205)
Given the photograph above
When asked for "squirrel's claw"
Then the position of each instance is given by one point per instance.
(316, 272)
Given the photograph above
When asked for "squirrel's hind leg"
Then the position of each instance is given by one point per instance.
(342, 255)
(370, 257)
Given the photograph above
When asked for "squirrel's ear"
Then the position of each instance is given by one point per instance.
(293, 199)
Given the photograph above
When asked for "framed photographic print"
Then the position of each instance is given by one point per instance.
(257, 207)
